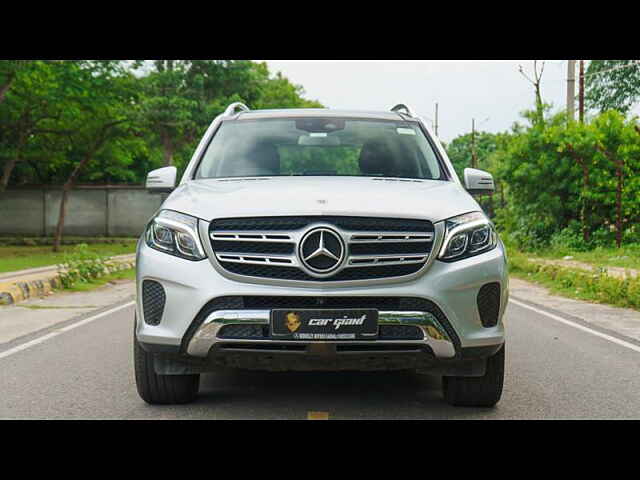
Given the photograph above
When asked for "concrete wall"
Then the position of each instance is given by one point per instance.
(91, 211)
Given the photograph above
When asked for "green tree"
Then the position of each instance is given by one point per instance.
(52, 111)
(32, 108)
(618, 146)
(486, 147)
(460, 148)
(279, 92)
(101, 113)
(182, 97)
(571, 176)
(576, 140)
(612, 84)
(166, 107)
(542, 184)
(10, 70)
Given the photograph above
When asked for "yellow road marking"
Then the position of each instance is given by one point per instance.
(317, 415)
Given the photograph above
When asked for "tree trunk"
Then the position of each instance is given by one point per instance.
(6, 173)
(9, 166)
(4, 88)
(585, 188)
(68, 186)
(167, 147)
(581, 93)
(61, 216)
(584, 214)
(619, 165)
(539, 106)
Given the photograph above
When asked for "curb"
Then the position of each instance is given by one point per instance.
(14, 292)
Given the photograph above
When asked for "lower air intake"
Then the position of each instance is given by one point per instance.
(153, 299)
(489, 304)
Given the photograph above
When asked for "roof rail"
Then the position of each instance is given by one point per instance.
(402, 106)
(231, 109)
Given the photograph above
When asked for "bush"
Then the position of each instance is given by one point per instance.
(570, 239)
(82, 265)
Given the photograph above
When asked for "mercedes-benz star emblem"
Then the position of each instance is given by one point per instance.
(321, 250)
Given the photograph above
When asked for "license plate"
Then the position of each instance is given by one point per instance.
(307, 324)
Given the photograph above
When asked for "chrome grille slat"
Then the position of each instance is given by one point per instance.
(250, 236)
(364, 260)
(258, 259)
(379, 237)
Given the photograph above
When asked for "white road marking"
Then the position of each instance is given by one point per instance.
(615, 340)
(44, 338)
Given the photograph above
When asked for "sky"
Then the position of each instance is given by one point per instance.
(492, 92)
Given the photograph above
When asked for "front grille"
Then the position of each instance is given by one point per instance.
(153, 299)
(389, 248)
(261, 332)
(400, 332)
(244, 331)
(489, 304)
(292, 273)
(252, 247)
(265, 247)
(400, 304)
(250, 302)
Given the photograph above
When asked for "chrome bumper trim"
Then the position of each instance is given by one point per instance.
(206, 336)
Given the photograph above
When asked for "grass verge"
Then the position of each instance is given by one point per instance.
(14, 258)
(625, 257)
(6, 241)
(594, 286)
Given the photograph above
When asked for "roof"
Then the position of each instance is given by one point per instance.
(319, 112)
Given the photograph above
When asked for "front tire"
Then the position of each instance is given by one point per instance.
(482, 391)
(161, 389)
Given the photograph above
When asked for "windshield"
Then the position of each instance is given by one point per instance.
(319, 146)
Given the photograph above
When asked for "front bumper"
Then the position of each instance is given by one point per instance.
(206, 337)
(190, 286)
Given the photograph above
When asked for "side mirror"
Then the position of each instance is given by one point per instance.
(478, 182)
(161, 180)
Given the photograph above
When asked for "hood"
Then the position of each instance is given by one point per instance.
(356, 196)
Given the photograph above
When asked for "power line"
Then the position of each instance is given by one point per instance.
(635, 63)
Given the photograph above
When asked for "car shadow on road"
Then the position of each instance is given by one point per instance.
(397, 395)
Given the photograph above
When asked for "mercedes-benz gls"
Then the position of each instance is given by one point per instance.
(320, 240)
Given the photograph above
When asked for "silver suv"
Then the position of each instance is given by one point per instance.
(320, 240)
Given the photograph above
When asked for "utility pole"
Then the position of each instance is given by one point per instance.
(474, 155)
(571, 88)
(436, 125)
(474, 158)
(581, 93)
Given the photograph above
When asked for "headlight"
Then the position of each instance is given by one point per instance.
(467, 235)
(176, 234)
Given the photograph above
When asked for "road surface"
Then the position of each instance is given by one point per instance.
(556, 369)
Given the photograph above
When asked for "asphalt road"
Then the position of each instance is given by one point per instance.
(82, 369)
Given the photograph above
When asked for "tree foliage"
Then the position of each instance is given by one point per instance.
(460, 148)
(51, 110)
(612, 84)
(73, 121)
(569, 176)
